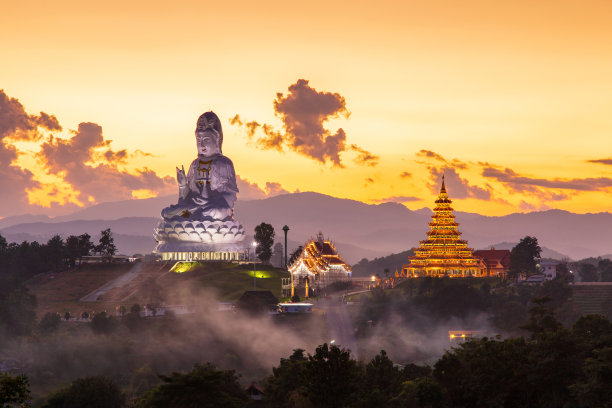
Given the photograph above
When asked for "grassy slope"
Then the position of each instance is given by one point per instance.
(60, 292)
(228, 280)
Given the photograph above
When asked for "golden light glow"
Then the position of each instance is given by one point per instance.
(520, 85)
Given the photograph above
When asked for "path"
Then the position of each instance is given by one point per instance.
(115, 283)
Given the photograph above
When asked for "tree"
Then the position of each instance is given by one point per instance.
(94, 392)
(102, 324)
(333, 377)
(106, 245)
(264, 236)
(524, 257)
(17, 308)
(287, 380)
(605, 270)
(77, 247)
(14, 391)
(588, 272)
(49, 323)
(54, 253)
(203, 387)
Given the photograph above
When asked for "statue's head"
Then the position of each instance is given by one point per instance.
(209, 136)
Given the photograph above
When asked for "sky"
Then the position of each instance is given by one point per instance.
(511, 101)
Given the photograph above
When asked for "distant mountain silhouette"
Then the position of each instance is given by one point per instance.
(364, 230)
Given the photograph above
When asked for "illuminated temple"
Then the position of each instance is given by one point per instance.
(317, 266)
(444, 253)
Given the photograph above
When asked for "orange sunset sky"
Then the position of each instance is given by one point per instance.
(371, 101)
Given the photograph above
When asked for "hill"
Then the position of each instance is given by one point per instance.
(61, 292)
(365, 230)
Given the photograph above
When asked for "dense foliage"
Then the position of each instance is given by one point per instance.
(264, 236)
(524, 257)
(204, 387)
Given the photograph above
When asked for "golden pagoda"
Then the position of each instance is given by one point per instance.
(443, 253)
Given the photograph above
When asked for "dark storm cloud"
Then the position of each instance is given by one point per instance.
(519, 183)
(75, 160)
(304, 112)
(601, 161)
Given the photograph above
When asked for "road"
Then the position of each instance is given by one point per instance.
(339, 323)
(115, 283)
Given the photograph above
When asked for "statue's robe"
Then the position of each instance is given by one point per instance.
(210, 192)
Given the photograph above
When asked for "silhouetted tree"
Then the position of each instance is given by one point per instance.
(54, 253)
(204, 387)
(17, 305)
(605, 270)
(106, 245)
(264, 236)
(524, 257)
(102, 324)
(588, 273)
(77, 247)
(95, 391)
(49, 323)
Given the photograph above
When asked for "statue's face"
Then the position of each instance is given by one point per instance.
(208, 142)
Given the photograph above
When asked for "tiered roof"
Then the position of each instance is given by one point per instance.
(444, 252)
(319, 256)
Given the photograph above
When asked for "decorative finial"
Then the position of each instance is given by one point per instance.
(443, 189)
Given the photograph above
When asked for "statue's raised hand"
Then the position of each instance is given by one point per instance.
(181, 178)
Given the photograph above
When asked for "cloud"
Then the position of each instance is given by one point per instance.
(601, 161)
(456, 186)
(431, 155)
(16, 124)
(369, 180)
(405, 174)
(274, 189)
(304, 112)
(519, 183)
(90, 166)
(396, 199)
(364, 157)
(251, 191)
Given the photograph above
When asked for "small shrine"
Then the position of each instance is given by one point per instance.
(444, 253)
(317, 266)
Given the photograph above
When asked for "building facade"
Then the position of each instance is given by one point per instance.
(317, 266)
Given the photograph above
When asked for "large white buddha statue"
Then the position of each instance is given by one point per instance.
(207, 193)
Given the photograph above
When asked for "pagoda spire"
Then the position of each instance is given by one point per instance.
(442, 189)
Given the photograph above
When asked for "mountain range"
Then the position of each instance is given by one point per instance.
(359, 230)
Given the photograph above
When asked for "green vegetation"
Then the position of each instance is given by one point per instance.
(524, 257)
(228, 280)
(14, 391)
(264, 237)
(204, 387)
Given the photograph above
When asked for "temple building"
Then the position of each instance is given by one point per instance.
(444, 253)
(317, 266)
(497, 261)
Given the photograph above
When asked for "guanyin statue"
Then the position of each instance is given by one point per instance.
(204, 213)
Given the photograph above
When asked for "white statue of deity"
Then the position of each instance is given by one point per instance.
(207, 193)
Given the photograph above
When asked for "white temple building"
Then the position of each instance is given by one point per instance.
(318, 265)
